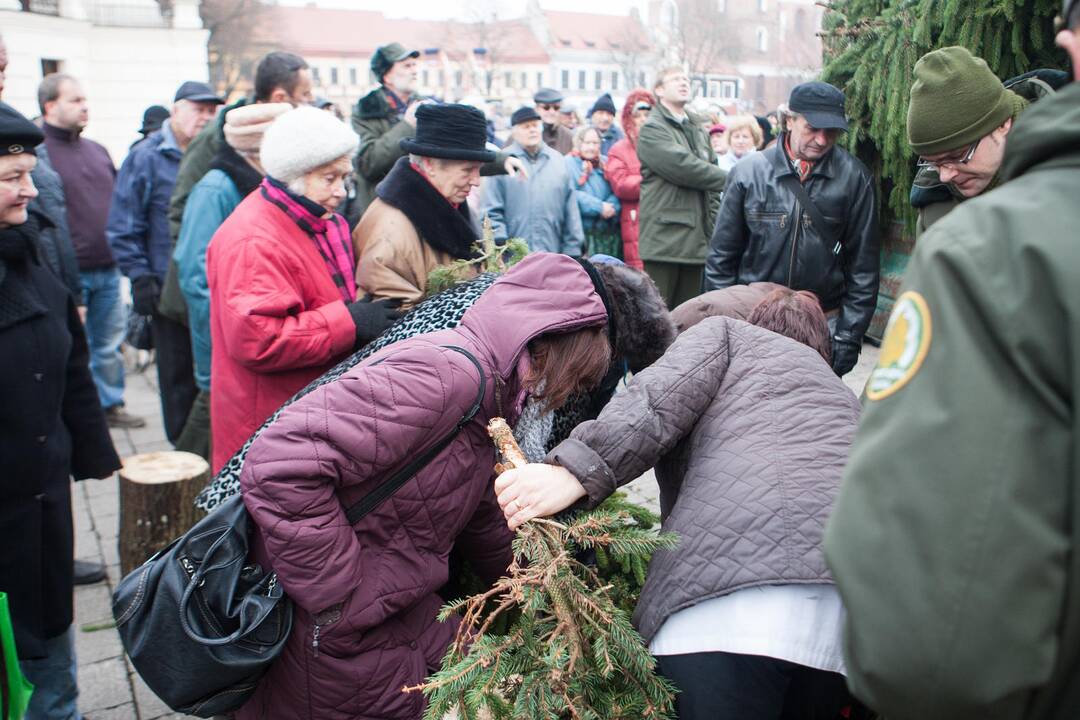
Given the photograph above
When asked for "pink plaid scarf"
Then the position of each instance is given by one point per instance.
(330, 234)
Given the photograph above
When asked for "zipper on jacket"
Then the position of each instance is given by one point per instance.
(794, 241)
(315, 639)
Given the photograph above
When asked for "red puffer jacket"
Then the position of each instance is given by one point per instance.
(623, 172)
(367, 593)
(277, 321)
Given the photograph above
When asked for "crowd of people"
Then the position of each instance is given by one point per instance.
(915, 553)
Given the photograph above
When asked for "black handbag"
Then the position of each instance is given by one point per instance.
(201, 624)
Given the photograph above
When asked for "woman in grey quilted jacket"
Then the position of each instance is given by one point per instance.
(749, 431)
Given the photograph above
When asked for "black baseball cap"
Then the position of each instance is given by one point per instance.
(524, 114)
(820, 103)
(197, 92)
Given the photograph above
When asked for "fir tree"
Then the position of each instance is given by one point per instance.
(871, 47)
(552, 639)
(489, 257)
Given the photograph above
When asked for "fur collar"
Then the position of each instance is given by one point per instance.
(373, 105)
(438, 223)
(245, 177)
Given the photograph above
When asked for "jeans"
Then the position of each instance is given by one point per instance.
(54, 679)
(106, 322)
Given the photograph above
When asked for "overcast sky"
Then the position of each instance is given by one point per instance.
(465, 9)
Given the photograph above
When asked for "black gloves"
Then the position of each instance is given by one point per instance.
(373, 317)
(145, 291)
(845, 355)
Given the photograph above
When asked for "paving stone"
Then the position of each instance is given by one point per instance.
(103, 685)
(120, 712)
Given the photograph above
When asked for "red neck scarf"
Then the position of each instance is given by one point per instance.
(802, 167)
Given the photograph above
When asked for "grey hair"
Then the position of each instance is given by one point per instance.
(579, 135)
(49, 89)
(298, 186)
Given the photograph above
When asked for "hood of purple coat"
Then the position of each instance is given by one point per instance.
(544, 293)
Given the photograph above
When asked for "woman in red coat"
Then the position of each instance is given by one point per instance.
(624, 171)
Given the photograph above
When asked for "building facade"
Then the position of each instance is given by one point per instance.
(127, 55)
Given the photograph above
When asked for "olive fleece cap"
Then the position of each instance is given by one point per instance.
(955, 100)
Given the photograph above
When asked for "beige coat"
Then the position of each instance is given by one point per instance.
(393, 261)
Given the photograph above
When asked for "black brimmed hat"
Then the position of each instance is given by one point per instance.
(17, 134)
(152, 119)
(452, 132)
(820, 103)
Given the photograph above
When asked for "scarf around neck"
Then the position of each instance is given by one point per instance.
(439, 224)
(330, 234)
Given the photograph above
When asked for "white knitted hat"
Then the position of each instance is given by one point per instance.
(303, 139)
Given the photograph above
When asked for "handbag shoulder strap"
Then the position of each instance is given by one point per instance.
(388, 487)
(793, 184)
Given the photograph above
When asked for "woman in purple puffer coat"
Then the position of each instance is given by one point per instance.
(366, 595)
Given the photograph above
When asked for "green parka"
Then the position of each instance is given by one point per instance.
(680, 189)
(955, 542)
(381, 131)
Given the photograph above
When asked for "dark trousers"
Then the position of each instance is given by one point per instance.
(676, 282)
(196, 435)
(176, 373)
(727, 686)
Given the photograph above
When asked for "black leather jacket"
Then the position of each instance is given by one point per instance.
(756, 238)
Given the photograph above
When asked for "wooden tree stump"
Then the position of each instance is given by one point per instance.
(157, 496)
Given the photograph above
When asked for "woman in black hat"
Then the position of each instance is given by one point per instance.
(420, 217)
(51, 426)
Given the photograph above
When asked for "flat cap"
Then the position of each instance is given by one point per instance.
(547, 96)
(524, 114)
(196, 91)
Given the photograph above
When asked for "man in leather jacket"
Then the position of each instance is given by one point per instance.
(765, 231)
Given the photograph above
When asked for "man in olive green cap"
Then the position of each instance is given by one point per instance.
(955, 539)
(958, 120)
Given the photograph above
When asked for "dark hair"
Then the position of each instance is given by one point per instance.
(796, 315)
(49, 89)
(277, 70)
(567, 363)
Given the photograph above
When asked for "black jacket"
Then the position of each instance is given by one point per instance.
(757, 239)
(51, 426)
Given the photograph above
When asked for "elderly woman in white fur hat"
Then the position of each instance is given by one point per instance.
(281, 272)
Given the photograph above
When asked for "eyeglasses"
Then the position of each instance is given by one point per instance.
(951, 163)
(546, 106)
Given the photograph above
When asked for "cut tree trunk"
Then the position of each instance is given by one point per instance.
(157, 502)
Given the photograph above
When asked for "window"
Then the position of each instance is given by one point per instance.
(641, 78)
(508, 80)
(333, 76)
(524, 80)
(581, 79)
(457, 78)
(540, 80)
(352, 76)
(761, 5)
(614, 80)
(315, 75)
(599, 80)
(49, 66)
(714, 89)
(442, 79)
(425, 77)
(762, 40)
(565, 79)
(800, 21)
(729, 90)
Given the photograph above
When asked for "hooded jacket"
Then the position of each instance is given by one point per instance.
(749, 432)
(954, 543)
(370, 589)
(624, 174)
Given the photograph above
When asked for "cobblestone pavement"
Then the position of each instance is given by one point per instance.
(110, 690)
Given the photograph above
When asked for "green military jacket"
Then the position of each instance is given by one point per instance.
(381, 132)
(680, 189)
(955, 541)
